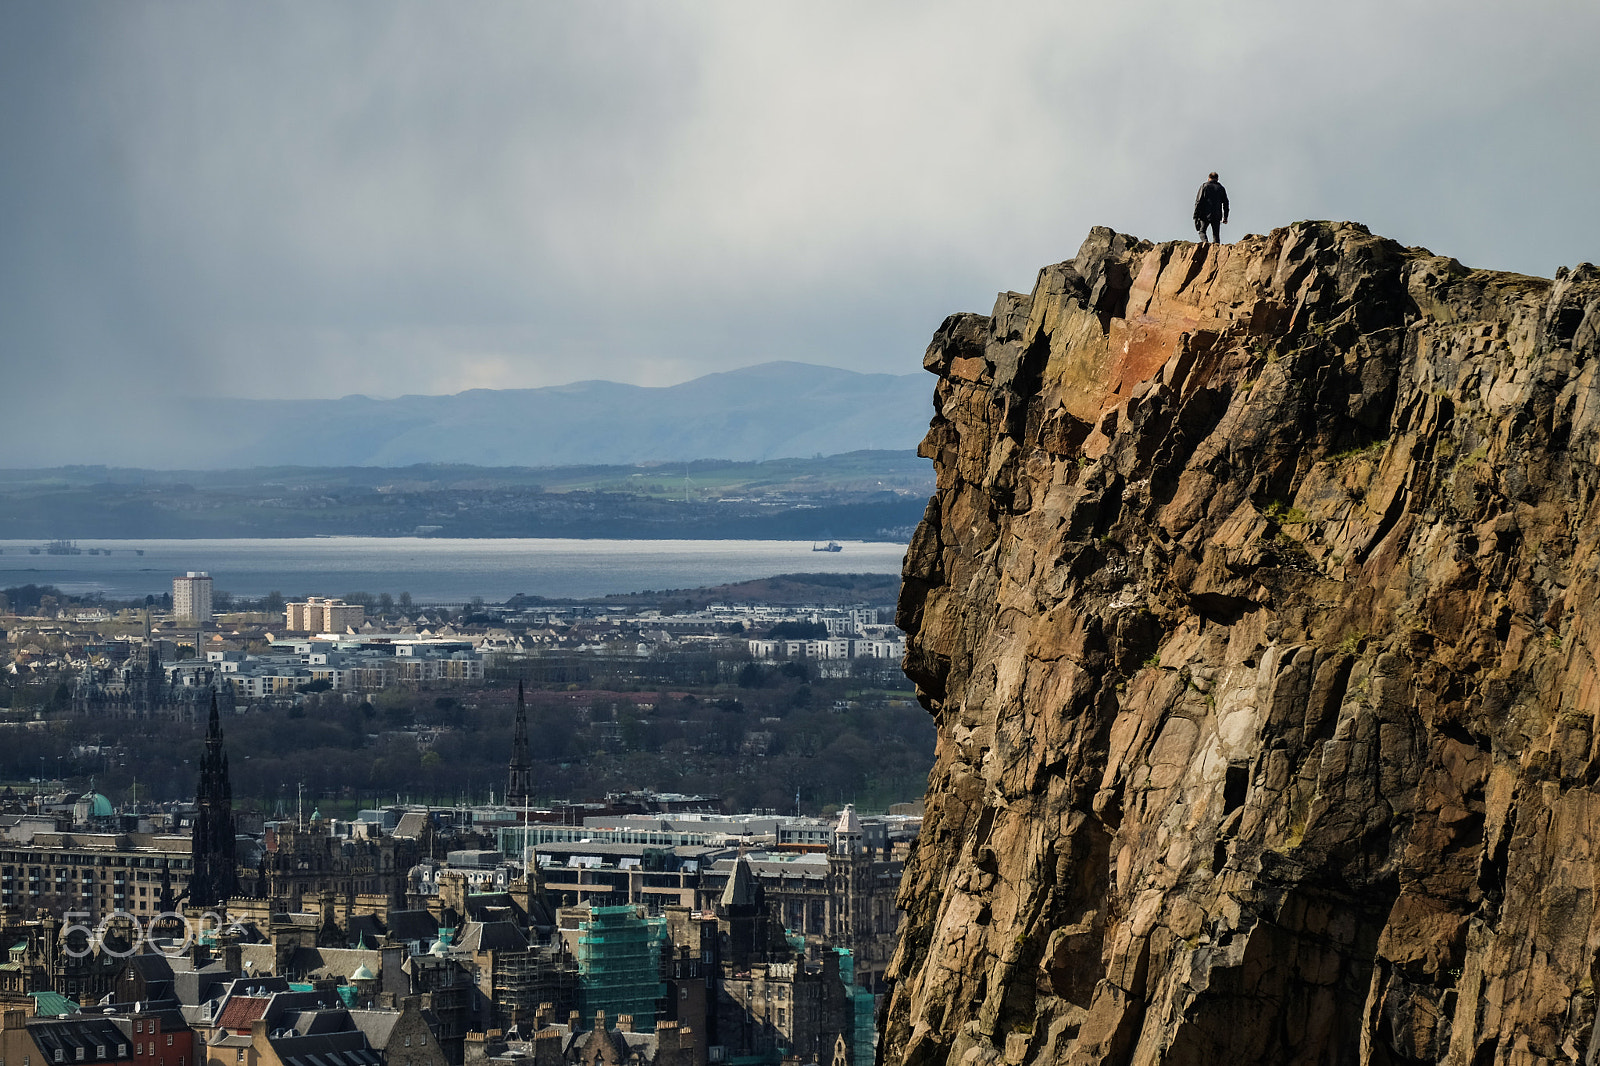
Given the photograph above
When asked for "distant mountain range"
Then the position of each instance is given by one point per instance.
(770, 411)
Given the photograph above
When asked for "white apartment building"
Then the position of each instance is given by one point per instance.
(322, 615)
(191, 598)
(826, 649)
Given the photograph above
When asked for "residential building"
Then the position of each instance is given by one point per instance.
(87, 1040)
(831, 648)
(401, 1036)
(319, 614)
(191, 598)
(97, 873)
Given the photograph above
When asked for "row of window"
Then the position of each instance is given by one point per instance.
(147, 861)
(87, 879)
(100, 1051)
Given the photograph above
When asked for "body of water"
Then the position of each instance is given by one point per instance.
(432, 570)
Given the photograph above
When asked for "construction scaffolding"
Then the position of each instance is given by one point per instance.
(525, 979)
(513, 989)
(863, 1039)
(619, 965)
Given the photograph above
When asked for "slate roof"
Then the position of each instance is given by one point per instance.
(377, 1024)
(312, 962)
(365, 930)
(166, 1010)
(493, 936)
(740, 889)
(300, 919)
(411, 825)
(99, 1038)
(342, 962)
(154, 974)
(413, 925)
(192, 987)
(329, 1049)
(806, 868)
(152, 966)
(320, 1022)
(624, 1044)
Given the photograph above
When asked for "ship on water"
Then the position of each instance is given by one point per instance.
(831, 546)
(63, 547)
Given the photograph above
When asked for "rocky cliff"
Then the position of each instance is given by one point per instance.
(1257, 613)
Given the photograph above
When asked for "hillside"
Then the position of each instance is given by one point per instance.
(870, 495)
(771, 411)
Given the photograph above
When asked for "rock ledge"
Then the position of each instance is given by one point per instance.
(1256, 609)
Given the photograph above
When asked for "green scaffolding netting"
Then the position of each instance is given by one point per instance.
(619, 968)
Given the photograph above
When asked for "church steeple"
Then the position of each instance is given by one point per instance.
(519, 776)
(214, 877)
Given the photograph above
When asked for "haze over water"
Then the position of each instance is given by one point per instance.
(432, 570)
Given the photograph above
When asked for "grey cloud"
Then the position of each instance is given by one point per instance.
(313, 200)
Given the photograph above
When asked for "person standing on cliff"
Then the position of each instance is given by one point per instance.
(1211, 209)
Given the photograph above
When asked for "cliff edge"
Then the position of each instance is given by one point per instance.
(1256, 610)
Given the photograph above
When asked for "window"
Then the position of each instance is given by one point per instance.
(138, 1049)
(138, 1026)
(169, 1039)
(423, 1040)
(241, 1055)
(408, 1041)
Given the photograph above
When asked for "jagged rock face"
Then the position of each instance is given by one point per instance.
(1257, 613)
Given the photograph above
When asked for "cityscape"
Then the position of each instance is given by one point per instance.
(637, 925)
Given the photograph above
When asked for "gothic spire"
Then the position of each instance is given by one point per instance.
(213, 878)
(519, 776)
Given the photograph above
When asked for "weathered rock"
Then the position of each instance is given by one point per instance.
(1257, 613)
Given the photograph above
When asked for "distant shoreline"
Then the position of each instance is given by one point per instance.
(437, 569)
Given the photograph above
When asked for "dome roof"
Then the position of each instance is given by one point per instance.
(362, 973)
(99, 806)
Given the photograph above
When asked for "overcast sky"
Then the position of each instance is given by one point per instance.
(323, 198)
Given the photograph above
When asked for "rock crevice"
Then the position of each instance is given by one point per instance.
(1256, 610)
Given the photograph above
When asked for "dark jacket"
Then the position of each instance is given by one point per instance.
(1211, 202)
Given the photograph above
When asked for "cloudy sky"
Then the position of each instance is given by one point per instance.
(324, 198)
